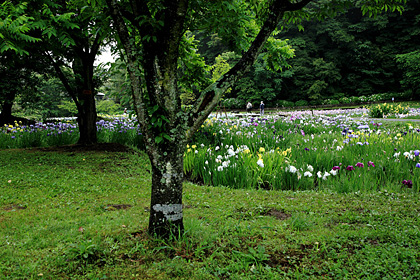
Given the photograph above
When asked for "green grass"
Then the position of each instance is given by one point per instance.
(68, 215)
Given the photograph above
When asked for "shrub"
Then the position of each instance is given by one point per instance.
(326, 101)
(333, 102)
(355, 99)
(330, 102)
(363, 99)
(107, 107)
(344, 100)
(376, 97)
(300, 103)
(67, 108)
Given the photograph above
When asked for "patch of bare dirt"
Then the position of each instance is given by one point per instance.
(113, 207)
(14, 207)
(280, 215)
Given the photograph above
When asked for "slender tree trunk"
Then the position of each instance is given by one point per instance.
(166, 200)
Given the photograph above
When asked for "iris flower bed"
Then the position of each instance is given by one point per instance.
(38, 135)
(306, 152)
(297, 152)
(117, 130)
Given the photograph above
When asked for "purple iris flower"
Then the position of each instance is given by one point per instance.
(350, 168)
(359, 164)
(370, 163)
(336, 168)
(408, 183)
(418, 165)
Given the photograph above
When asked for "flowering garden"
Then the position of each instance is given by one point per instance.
(306, 152)
(343, 152)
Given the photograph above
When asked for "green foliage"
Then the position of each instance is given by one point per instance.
(107, 107)
(377, 97)
(260, 84)
(355, 99)
(220, 68)
(15, 26)
(187, 98)
(344, 100)
(45, 101)
(350, 53)
(301, 103)
(316, 90)
(67, 108)
(331, 102)
(234, 22)
(285, 103)
(409, 64)
(278, 53)
(117, 84)
(194, 73)
(233, 103)
(86, 251)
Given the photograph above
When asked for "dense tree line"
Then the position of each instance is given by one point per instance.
(342, 57)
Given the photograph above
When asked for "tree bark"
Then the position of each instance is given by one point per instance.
(86, 119)
(6, 109)
(166, 218)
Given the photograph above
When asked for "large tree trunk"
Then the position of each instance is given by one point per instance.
(6, 109)
(87, 119)
(83, 70)
(166, 200)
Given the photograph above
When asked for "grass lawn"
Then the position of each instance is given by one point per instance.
(67, 213)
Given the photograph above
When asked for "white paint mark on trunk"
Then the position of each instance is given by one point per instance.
(172, 212)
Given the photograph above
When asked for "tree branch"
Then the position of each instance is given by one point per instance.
(211, 95)
(64, 80)
(132, 61)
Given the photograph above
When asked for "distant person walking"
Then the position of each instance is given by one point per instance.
(262, 108)
(248, 107)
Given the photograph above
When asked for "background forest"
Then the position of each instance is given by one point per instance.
(345, 59)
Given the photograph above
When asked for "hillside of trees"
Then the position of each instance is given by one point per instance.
(339, 60)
